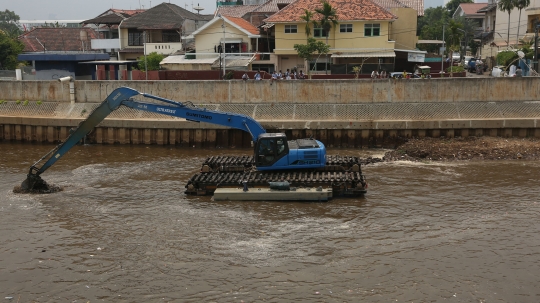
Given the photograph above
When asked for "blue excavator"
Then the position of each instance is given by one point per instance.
(272, 151)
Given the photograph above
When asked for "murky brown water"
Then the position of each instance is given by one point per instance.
(123, 231)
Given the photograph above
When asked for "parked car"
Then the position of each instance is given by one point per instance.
(456, 57)
(466, 60)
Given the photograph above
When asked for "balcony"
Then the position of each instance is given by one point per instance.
(107, 44)
(163, 48)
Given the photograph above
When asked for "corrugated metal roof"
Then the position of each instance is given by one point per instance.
(376, 54)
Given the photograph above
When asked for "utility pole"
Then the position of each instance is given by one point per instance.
(444, 49)
(145, 61)
(223, 48)
(536, 47)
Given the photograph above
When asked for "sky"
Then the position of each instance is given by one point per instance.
(87, 9)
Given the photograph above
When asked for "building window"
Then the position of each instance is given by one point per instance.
(319, 32)
(345, 28)
(170, 36)
(135, 38)
(372, 30)
(291, 29)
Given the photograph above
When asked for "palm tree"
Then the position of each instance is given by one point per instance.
(521, 4)
(455, 32)
(328, 18)
(308, 17)
(507, 6)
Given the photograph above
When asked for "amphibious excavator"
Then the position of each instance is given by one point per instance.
(301, 162)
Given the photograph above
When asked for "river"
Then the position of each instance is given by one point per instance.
(123, 231)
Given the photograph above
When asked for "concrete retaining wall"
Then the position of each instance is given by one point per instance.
(309, 91)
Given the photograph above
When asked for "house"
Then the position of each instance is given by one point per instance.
(362, 36)
(470, 12)
(403, 29)
(234, 36)
(158, 29)
(56, 52)
(107, 29)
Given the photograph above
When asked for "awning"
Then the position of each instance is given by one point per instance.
(182, 60)
(131, 50)
(232, 62)
(430, 42)
(231, 40)
(382, 54)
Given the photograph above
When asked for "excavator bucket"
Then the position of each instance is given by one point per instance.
(36, 184)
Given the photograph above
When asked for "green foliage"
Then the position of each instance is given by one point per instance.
(328, 17)
(83, 112)
(507, 6)
(452, 5)
(39, 102)
(308, 16)
(25, 102)
(9, 49)
(2, 101)
(430, 27)
(356, 71)
(152, 61)
(229, 75)
(455, 69)
(506, 57)
(18, 102)
(8, 23)
(306, 51)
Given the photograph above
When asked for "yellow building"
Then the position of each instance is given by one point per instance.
(361, 37)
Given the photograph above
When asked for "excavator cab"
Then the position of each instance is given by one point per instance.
(270, 148)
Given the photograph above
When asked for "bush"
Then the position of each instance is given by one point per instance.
(152, 61)
(455, 69)
(506, 57)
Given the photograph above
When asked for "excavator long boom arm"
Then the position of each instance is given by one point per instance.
(123, 96)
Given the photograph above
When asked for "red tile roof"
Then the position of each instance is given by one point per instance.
(59, 39)
(347, 10)
(472, 8)
(244, 24)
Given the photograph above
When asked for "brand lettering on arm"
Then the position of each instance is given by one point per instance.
(200, 116)
(166, 110)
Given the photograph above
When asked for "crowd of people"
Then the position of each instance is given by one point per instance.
(278, 75)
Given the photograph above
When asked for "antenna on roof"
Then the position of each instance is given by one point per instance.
(198, 8)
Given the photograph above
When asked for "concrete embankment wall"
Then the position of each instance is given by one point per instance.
(355, 123)
(314, 91)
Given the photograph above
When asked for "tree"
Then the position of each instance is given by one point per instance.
(306, 51)
(328, 18)
(152, 61)
(507, 6)
(453, 39)
(308, 17)
(9, 23)
(430, 27)
(452, 5)
(9, 49)
(521, 4)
